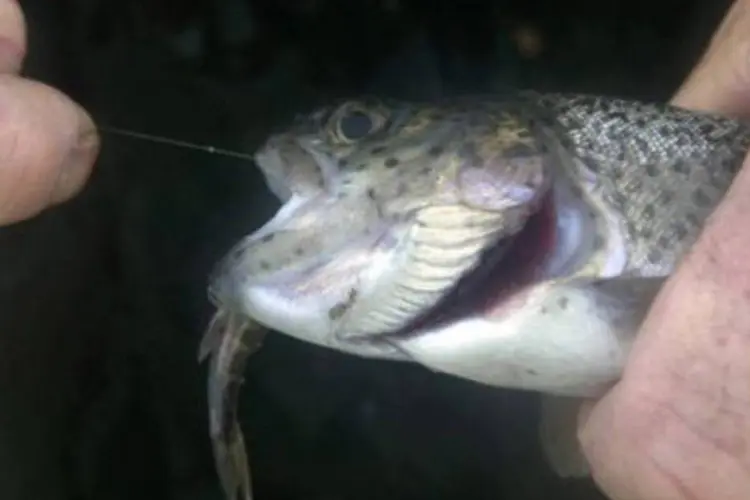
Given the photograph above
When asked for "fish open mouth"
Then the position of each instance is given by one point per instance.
(505, 268)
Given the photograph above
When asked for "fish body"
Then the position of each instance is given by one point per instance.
(515, 241)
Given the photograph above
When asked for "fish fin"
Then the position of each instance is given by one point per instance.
(232, 465)
(558, 435)
(214, 333)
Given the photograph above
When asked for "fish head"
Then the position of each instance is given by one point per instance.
(395, 215)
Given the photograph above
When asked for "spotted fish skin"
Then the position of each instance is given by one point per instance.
(662, 170)
(394, 212)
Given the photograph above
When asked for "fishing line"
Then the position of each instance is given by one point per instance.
(174, 142)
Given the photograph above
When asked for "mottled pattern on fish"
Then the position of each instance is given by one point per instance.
(663, 169)
(538, 228)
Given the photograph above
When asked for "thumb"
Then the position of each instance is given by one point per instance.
(48, 145)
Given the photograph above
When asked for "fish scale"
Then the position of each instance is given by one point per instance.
(662, 168)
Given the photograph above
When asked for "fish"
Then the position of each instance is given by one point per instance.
(515, 241)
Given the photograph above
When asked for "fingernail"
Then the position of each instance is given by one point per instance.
(77, 165)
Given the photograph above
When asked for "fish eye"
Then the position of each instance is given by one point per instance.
(355, 125)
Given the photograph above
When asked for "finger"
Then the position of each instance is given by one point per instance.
(12, 36)
(721, 80)
(677, 426)
(48, 145)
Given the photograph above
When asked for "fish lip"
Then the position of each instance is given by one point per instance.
(283, 158)
(268, 160)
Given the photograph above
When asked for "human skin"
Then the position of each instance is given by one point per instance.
(677, 425)
(48, 143)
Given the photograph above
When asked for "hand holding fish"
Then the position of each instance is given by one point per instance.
(677, 425)
(48, 143)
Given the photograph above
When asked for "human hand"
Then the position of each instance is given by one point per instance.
(48, 143)
(677, 425)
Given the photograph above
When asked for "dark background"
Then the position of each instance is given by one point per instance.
(101, 396)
